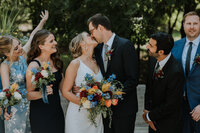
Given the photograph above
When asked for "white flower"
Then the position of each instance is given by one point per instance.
(17, 96)
(2, 95)
(44, 73)
(86, 104)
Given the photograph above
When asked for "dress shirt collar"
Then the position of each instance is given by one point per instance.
(110, 41)
(195, 41)
(164, 61)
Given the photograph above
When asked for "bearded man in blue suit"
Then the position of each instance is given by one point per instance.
(186, 51)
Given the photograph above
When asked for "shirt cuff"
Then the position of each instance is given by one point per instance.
(147, 116)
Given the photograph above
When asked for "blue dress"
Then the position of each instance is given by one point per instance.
(2, 129)
(19, 123)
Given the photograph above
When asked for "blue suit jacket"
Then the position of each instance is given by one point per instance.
(192, 83)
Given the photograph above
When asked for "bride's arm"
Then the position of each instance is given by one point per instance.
(70, 76)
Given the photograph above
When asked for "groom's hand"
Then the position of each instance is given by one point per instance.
(76, 89)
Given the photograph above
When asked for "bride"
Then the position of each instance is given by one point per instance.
(82, 47)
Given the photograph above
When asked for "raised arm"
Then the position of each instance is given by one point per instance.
(70, 76)
(44, 15)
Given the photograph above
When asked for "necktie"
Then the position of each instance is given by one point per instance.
(105, 56)
(187, 64)
(157, 66)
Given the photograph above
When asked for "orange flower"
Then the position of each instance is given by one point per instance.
(108, 103)
(105, 87)
(95, 87)
(114, 102)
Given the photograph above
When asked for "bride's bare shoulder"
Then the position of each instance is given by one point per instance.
(75, 63)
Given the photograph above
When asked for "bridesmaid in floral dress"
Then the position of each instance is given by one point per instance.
(13, 69)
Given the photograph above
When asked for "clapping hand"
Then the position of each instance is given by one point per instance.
(44, 15)
(196, 113)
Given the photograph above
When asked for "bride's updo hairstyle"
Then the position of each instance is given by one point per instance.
(75, 46)
(39, 39)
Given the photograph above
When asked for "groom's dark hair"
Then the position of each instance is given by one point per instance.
(164, 41)
(99, 19)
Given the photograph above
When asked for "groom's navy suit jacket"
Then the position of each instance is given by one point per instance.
(192, 83)
(163, 96)
(124, 64)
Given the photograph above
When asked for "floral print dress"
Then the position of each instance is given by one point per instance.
(19, 123)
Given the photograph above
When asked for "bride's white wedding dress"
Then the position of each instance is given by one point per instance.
(77, 121)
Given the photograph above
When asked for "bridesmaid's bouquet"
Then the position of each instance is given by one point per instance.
(97, 97)
(42, 77)
(10, 97)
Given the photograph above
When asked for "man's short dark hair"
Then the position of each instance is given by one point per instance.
(99, 19)
(164, 41)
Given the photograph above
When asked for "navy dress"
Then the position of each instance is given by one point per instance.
(2, 128)
(48, 118)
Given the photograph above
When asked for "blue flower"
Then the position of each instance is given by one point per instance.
(113, 76)
(111, 88)
(88, 76)
(90, 97)
(107, 96)
(93, 104)
(34, 70)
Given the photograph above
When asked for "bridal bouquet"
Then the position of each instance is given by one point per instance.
(10, 97)
(97, 97)
(42, 77)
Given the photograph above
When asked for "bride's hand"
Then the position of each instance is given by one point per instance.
(49, 90)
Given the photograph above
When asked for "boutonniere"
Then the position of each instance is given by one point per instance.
(109, 54)
(197, 59)
(159, 74)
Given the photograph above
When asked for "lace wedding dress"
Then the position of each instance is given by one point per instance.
(77, 121)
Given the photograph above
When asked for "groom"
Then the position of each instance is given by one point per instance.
(116, 55)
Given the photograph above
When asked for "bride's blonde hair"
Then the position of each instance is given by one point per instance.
(74, 45)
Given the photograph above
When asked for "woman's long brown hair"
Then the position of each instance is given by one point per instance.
(39, 39)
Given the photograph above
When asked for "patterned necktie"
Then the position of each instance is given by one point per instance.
(187, 63)
(105, 56)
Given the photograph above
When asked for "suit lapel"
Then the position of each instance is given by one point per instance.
(166, 66)
(181, 51)
(194, 64)
(114, 46)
